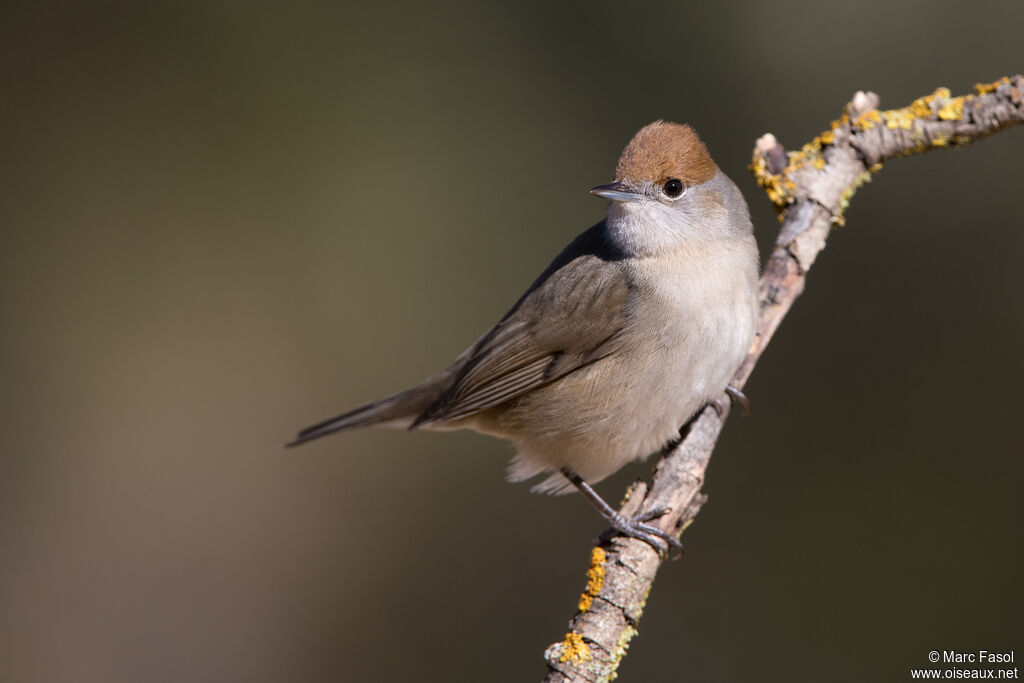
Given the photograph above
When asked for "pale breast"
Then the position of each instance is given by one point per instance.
(690, 322)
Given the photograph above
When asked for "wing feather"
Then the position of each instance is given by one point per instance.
(569, 318)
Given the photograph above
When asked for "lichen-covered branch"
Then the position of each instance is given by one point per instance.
(811, 188)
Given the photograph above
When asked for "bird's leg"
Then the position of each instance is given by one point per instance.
(635, 526)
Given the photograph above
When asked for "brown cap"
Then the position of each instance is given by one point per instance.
(660, 151)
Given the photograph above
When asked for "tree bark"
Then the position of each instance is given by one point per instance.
(811, 188)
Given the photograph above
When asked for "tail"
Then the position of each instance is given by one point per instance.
(399, 410)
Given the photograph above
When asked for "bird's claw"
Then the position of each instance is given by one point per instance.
(735, 396)
(738, 396)
(637, 527)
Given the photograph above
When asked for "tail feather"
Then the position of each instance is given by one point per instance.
(399, 410)
(360, 417)
(396, 411)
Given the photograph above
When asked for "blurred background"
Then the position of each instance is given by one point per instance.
(222, 222)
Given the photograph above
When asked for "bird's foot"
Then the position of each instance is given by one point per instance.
(735, 396)
(637, 527)
(738, 396)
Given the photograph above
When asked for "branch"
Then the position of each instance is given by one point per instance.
(811, 188)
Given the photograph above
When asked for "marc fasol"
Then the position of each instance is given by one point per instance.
(980, 657)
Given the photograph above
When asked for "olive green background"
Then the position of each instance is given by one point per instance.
(221, 222)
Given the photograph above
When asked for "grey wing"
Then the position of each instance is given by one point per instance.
(570, 318)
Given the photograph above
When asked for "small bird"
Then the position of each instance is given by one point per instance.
(635, 326)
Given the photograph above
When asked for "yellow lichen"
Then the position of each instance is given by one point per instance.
(868, 119)
(574, 649)
(985, 88)
(595, 575)
(844, 198)
(952, 110)
(898, 118)
(621, 647)
(809, 155)
(917, 119)
(595, 579)
(778, 188)
(948, 109)
(920, 107)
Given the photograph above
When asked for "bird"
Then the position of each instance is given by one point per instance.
(636, 325)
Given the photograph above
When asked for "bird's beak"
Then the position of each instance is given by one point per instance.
(617, 192)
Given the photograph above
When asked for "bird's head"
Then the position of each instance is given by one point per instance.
(667, 189)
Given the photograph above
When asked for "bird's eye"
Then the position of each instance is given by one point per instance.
(673, 187)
